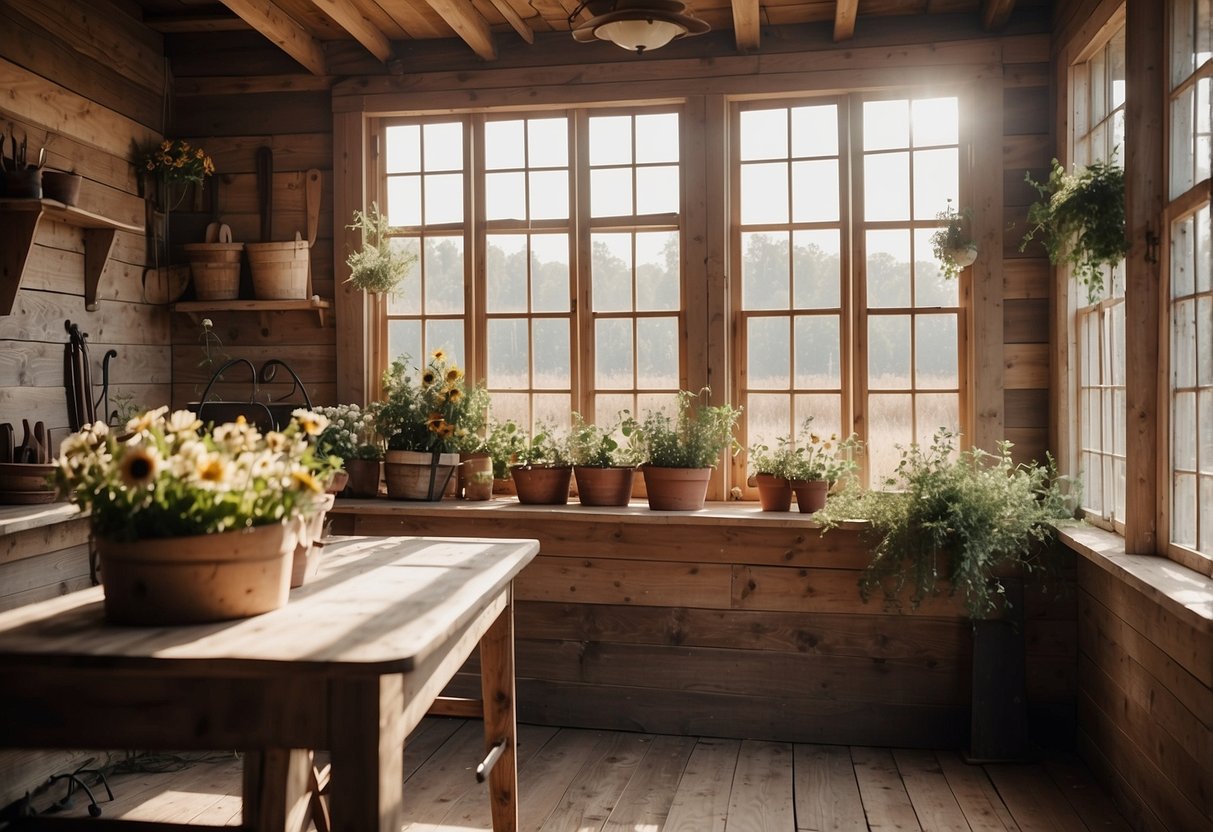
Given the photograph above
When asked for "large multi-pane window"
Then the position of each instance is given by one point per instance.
(845, 315)
(549, 256)
(1190, 304)
(1098, 98)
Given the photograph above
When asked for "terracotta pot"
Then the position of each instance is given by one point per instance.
(475, 476)
(337, 481)
(676, 489)
(774, 493)
(310, 528)
(810, 495)
(190, 580)
(415, 475)
(364, 477)
(604, 486)
(504, 487)
(542, 485)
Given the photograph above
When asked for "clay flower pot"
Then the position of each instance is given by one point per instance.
(676, 489)
(810, 495)
(475, 476)
(774, 493)
(364, 477)
(542, 485)
(610, 486)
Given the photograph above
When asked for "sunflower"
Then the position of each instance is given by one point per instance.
(139, 466)
(428, 378)
(453, 375)
(304, 477)
(438, 355)
(453, 394)
(435, 422)
(211, 469)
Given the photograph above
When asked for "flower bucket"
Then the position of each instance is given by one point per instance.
(604, 486)
(215, 269)
(475, 476)
(364, 477)
(279, 269)
(810, 495)
(337, 482)
(542, 485)
(416, 475)
(310, 528)
(676, 489)
(774, 493)
(191, 580)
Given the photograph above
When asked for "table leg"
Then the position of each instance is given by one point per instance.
(276, 791)
(366, 785)
(497, 688)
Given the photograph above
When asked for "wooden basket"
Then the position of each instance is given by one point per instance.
(280, 270)
(215, 265)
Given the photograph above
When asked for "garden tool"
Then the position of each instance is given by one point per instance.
(6, 442)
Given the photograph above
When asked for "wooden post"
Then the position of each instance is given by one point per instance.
(367, 738)
(497, 689)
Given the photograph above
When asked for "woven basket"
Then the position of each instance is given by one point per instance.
(279, 269)
(215, 268)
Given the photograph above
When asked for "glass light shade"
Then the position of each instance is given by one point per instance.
(639, 35)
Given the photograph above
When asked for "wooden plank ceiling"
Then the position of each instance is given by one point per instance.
(301, 28)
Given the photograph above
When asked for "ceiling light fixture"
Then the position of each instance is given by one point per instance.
(638, 25)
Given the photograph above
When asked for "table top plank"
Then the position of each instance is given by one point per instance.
(377, 605)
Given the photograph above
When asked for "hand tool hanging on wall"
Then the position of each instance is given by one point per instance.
(77, 378)
(265, 192)
(109, 417)
(311, 193)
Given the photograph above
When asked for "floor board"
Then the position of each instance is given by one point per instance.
(577, 780)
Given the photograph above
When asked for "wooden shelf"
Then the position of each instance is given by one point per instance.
(194, 308)
(19, 219)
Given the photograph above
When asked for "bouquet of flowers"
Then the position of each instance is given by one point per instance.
(176, 160)
(163, 478)
(422, 412)
(350, 433)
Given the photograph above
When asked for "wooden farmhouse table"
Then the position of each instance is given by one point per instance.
(351, 664)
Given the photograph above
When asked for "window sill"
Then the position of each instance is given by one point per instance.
(15, 519)
(1182, 591)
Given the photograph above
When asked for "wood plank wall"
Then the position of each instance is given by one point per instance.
(87, 80)
(714, 627)
(219, 104)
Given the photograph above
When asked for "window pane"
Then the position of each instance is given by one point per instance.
(768, 348)
(550, 273)
(612, 272)
(826, 411)
(815, 191)
(888, 266)
(936, 121)
(889, 352)
(931, 288)
(505, 196)
(818, 351)
(768, 417)
(509, 359)
(553, 409)
(764, 193)
(549, 194)
(936, 180)
(886, 124)
(1183, 344)
(443, 145)
(613, 354)
(503, 144)
(657, 352)
(444, 335)
(764, 271)
(547, 142)
(657, 137)
(611, 140)
(817, 269)
(611, 192)
(815, 131)
(443, 275)
(403, 339)
(764, 134)
(550, 348)
(886, 186)
(890, 424)
(935, 350)
(515, 407)
(404, 200)
(404, 148)
(444, 198)
(505, 273)
(657, 190)
(1184, 432)
(933, 412)
(406, 300)
(657, 270)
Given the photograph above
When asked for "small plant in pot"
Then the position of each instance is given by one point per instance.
(951, 243)
(351, 435)
(604, 460)
(823, 460)
(1080, 218)
(475, 478)
(772, 470)
(383, 261)
(542, 471)
(681, 450)
(502, 442)
(419, 415)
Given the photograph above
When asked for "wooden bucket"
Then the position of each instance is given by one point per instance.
(280, 270)
(215, 265)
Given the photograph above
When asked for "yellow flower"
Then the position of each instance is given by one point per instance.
(438, 355)
(453, 394)
(814, 439)
(453, 375)
(435, 422)
(138, 467)
(428, 377)
(446, 430)
(305, 479)
(211, 469)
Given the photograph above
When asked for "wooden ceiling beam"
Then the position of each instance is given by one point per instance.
(746, 30)
(352, 20)
(469, 24)
(166, 24)
(277, 26)
(996, 13)
(520, 26)
(845, 12)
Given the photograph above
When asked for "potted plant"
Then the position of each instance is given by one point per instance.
(420, 411)
(682, 450)
(822, 461)
(542, 471)
(189, 526)
(502, 442)
(381, 263)
(603, 464)
(352, 437)
(1080, 218)
(951, 243)
(474, 480)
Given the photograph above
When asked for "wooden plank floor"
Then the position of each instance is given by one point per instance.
(575, 780)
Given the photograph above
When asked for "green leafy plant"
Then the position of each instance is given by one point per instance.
(542, 447)
(502, 442)
(1080, 218)
(421, 409)
(470, 434)
(951, 244)
(807, 456)
(350, 433)
(957, 517)
(603, 446)
(382, 262)
(165, 479)
(693, 438)
(176, 160)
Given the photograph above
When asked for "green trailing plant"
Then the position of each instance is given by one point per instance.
(1080, 219)
(472, 431)
(950, 242)
(693, 437)
(956, 519)
(380, 264)
(603, 446)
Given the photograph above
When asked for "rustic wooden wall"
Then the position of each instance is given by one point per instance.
(232, 107)
(713, 627)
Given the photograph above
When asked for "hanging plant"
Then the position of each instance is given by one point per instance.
(951, 245)
(1080, 218)
(381, 263)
